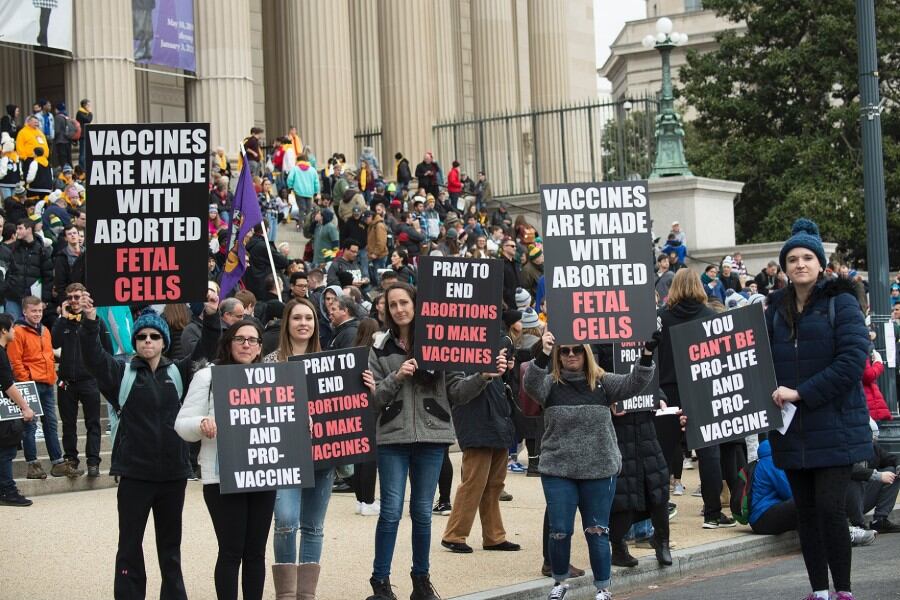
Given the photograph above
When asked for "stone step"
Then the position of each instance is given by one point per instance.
(20, 467)
(58, 485)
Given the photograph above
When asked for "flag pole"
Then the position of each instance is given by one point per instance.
(268, 245)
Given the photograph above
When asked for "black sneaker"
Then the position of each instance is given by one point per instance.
(457, 547)
(673, 510)
(14, 499)
(93, 471)
(442, 508)
(720, 522)
(884, 526)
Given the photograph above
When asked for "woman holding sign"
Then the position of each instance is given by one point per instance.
(819, 346)
(241, 521)
(576, 394)
(414, 428)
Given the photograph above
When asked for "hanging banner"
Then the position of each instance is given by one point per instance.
(164, 33)
(262, 427)
(146, 229)
(343, 418)
(725, 376)
(625, 356)
(458, 313)
(10, 410)
(598, 262)
(43, 23)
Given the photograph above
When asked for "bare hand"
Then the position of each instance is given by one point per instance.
(784, 394)
(682, 419)
(888, 477)
(27, 414)
(87, 306)
(548, 341)
(212, 303)
(407, 369)
(663, 405)
(502, 366)
(614, 409)
(208, 427)
(369, 380)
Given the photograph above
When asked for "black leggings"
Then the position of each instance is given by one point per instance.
(242, 522)
(669, 434)
(364, 481)
(778, 519)
(621, 521)
(445, 482)
(820, 495)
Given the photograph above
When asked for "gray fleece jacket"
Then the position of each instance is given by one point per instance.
(579, 439)
(416, 409)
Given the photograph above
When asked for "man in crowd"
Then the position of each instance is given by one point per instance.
(348, 261)
(511, 280)
(376, 241)
(343, 322)
(874, 485)
(494, 240)
(482, 191)
(533, 269)
(253, 150)
(9, 493)
(68, 265)
(231, 311)
(428, 174)
(502, 218)
(664, 276)
(299, 286)
(355, 229)
(31, 269)
(769, 279)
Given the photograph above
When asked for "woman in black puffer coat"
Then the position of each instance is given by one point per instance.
(642, 488)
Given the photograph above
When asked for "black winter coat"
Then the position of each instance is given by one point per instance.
(30, 263)
(685, 311)
(510, 283)
(486, 421)
(344, 335)
(644, 480)
(64, 336)
(258, 266)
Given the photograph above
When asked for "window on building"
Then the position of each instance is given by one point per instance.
(693, 5)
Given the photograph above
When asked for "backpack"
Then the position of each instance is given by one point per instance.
(527, 405)
(125, 390)
(742, 503)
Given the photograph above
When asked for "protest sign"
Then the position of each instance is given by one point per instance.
(343, 419)
(263, 427)
(458, 313)
(625, 356)
(9, 410)
(598, 262)
(725, 376)
(146, 230)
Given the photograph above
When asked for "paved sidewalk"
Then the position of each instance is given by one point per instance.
(77, 532)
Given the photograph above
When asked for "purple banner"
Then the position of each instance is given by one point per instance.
(164, 33)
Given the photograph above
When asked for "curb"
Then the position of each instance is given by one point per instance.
(686, 562)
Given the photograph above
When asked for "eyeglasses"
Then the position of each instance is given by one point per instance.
(74, 297)
(571, 350)
(250, 341)
(509, 245)
(153, 336)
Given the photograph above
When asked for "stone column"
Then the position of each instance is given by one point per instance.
(496, 91)
(273, 69)
(408, 84)
(222, 94)
(364, 63)
(548, 54)
(102, 66)
(17, 79)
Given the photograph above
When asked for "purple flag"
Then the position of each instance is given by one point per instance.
(245, 215)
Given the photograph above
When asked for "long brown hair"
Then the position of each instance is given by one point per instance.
(686, 286)
(176, 315)
(368, 327)
(285, 347)
(389, 320)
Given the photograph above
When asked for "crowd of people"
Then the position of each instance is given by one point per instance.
(353, 284)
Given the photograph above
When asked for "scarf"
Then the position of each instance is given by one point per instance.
(362, 179)
(222, 162)
(298, 144)
(83, 110)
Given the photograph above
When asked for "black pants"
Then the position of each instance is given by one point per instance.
(711, 460)
(778, 519)
(364, 475)
(69, 394)
(445, 482)
(242, 522)
(669, 434)
(63, 154)
(621, 521)
(822, 524)
(136, 499)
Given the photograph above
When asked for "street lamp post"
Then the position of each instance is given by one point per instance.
(670, 160)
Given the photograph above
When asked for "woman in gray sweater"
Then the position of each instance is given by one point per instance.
(579, 452)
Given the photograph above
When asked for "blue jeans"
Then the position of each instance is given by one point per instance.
(272, 224)
(14, 309)
(422, 463)
(7, 484)
(51, 438)
(593, 499)
(302, 509)
(374, 265)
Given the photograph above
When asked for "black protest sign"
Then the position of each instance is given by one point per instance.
(343, 420)
(147, 238)
(10, 410)
(598, 262)
(458, 313)
(263, 427)
(625, 356)
(725, 376)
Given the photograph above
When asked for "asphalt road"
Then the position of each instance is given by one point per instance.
(874, 577)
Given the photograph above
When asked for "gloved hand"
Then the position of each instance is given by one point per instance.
(651, 344)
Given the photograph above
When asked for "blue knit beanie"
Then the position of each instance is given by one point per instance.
(804, 234)
(150, 319)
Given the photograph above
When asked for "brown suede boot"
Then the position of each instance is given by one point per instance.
(285, 576)
(307, 581)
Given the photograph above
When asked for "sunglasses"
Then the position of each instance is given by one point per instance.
(78, 297)
(153, 336)
(250, 341)
(571, 350)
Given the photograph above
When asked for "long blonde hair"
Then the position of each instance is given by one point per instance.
(593, 372)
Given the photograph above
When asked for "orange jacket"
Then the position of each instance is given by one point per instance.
(31, 355)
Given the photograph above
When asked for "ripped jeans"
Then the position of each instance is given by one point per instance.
(303, 510)
(593, 498)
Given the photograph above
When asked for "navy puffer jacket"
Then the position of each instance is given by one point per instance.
(825, 365)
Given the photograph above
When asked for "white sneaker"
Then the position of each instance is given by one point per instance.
(678, 490)
(688, 464)
(558, 592)
(359, 506)
(603, 595)
(369, 510)
(861, 537)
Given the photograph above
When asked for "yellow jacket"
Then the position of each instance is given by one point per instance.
(27, 140)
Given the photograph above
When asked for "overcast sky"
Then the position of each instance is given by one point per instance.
(609, 17)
